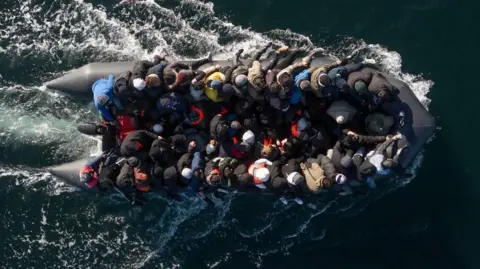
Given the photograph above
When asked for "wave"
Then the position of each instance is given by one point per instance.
(41, 40)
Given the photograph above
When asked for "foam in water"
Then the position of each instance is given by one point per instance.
(65, 35)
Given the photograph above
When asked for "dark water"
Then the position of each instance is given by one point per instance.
(427, 221)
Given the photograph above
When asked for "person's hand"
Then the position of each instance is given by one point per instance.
(350, 133)
(283, 48)
(213, 142)
(194, 81)
(192, 144)
(217, 66)
(279, 143)
(338, 62)
(397, 136)
(160, 137)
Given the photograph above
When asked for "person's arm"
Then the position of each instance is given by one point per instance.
(175, 65)
(228, 73)
(354, 67)
(371, 139)
(382, 147)
(106, 114)
(110, 81)
(290, 69)
(263, 160)
(210, 70)
(95, 163)
(154, 136)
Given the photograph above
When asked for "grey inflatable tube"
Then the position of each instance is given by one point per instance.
(417, 125)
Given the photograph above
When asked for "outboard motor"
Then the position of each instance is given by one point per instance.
(91, 128)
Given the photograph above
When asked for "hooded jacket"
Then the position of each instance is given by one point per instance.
(104, 87)
(137, 141)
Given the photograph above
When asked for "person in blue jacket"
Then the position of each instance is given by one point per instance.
(104, 98)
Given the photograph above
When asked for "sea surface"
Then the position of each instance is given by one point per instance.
(427, 220)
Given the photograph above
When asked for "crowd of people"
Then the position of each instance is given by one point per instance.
(278, 125)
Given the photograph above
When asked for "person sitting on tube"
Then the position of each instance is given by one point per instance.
(105, 100)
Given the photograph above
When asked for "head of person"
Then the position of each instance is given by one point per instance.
(210, 148)
(227, 92)
(216, 85)
(235, 125)
(266, 151)
(346, 161)
(295, 178)
(103, 100)
(340, 179)
(305, 85)
(249, 123)
(139, 84)
(323, 80)
(245, 179)
(285, 80)
(241, 81)
(170, 76)
(187, 173)
(259, 83)
(248, 137)
(303, 124)
(157, 128)
(214, 178)
(275, 87)
(360, 87)
(383, 97)
(263, 174)
(88, 177)
(222, 131)
(327, 183)
(152, 80)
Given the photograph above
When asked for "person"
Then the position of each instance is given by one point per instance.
(104, 98)
(89, 172)
(260, 172)
(178, 75)
(172, 105)
(266, 148)
(295, 181)
(338, 76)
(137, 144)
(371, 88)
(318, 78)
(256, 77)
(379, 123)
(315, 179)
(329, 170)
(219, 128)
(376, 162)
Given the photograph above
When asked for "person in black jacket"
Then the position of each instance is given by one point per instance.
(290, 182)
(219, 128)
(329, 170)
(137, 144)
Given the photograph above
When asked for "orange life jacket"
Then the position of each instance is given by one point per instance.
(141, 180)
(125, 126)
(294, 130)
(251, 170)
(267, 141)
(87, 169)
(201, 115)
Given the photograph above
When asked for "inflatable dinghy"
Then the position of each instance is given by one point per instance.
(415, 123)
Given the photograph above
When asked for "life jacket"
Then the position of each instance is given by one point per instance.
(141, 180)
(267, 141)
(210, 92)
(258, 182)
(88, 169)
(125, 126)
(294, 130)
(200, 117)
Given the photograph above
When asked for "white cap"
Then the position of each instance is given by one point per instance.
(262, 174)
(295, 178)
(210, 148)
(158, 128)
(302, 124)
(340, 178)
(187, 173)
(139, 84)
(241, 80)
(248, 137)
(340, 119)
